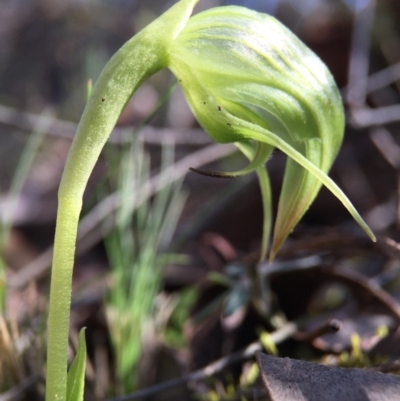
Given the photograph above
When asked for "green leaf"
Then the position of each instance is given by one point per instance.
(76, 373)
(266, 195)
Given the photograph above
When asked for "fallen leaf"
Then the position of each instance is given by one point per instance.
(293, 380)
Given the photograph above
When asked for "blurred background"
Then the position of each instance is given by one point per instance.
(167, 278)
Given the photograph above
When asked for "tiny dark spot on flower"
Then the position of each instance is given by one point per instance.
(204, 102)
(228, 124)
(103, 99)
(180, 80)
(219, 108)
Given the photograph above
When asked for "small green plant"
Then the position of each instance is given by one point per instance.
(249, 81)
(137, 252)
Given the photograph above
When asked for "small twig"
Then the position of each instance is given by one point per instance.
(365, 117)
(377, 80)
(66, 129)
(307, 262)
(364, 286)
(214, 368)
(328, 327)
(390, 150)
(387, 146)
(390, 247)
(359, 54)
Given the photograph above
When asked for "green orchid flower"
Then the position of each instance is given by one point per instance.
(249, 81)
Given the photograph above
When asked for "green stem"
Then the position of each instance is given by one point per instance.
(60, 298)
(139, 58)
(266, 197)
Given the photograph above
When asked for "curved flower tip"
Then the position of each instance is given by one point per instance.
(248, 79)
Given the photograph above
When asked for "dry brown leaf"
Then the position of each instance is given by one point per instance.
(293, 380)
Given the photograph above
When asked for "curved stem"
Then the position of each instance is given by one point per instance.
(139, 58)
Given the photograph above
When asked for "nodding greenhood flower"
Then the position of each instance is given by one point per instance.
(250, 81)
